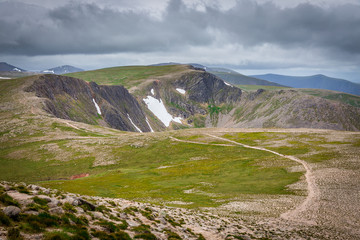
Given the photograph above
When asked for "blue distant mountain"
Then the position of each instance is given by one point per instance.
(63, 69)
(5, 67)
(317, 81)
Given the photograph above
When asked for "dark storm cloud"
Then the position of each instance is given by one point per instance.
(88, 28)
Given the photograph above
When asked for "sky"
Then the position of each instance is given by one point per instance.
(291, 37)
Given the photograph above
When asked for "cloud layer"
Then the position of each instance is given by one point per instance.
(90, 29)
(297, 35)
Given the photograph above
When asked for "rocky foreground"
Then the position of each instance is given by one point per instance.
(34, 212)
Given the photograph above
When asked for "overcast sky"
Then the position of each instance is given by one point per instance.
(295, 37)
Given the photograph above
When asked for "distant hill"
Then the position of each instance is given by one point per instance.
(228, 75)
(236, 78)
(316, 81)
(5, 67)
(63, 69)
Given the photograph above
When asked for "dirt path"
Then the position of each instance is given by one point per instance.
(313, 192)
(211, 144)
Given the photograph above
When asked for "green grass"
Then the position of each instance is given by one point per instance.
(349, 99)
(256, 87)
(127, 76)
(229, 173)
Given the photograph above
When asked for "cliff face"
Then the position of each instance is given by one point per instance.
(77, 100)
(190, 95)
(193, 99)
(207, 88)
(292, 109)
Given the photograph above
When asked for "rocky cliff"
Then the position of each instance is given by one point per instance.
(77, 100)
(193, 98)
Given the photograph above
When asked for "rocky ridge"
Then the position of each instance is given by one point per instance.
(206, 101)
(34, 212)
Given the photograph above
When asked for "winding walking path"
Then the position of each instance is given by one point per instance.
(313, 192)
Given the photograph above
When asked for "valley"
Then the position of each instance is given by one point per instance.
(260, 164)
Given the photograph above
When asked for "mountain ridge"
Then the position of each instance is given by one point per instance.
(5, 67)
(62, 69)
(318, 81)
(205, 100)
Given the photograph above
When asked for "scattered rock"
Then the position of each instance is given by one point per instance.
(132, 223)
(34, 187)
(12, 211)
(98, 215)
(89, 204)
(22, 198)
(31, 212)
(44, 197)
(54, 203)
(79, 210)
(71, 200)
(57, 210)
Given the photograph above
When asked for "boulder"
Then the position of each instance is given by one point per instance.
(48, 199)
(57, 210)
(54, 203)
(98, 215)
(22, 198)
(31, 212)
(133, 223)
(34, 187)
(12, 211)
(89, 204)
(71, 200)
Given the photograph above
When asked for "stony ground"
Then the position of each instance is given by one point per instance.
(34, 212)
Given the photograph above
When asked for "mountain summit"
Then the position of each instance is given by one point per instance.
(316, 81)
(5, 67)
(63, 69)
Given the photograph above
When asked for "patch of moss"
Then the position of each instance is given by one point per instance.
(109, 226)
(40, 201)
(172, 236)
(8, 201)
(69, 208)
(14, 234)
(4, 219)
(56, 236)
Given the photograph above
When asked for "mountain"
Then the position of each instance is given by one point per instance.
(80, 133)
(236, 78)
(5, 67)
(315, 81)
(63, 70)
(201, 99)
(228, 75)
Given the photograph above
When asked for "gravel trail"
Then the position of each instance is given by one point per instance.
(313, 192)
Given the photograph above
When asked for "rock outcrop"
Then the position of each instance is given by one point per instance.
(71, 216)
(77, 100)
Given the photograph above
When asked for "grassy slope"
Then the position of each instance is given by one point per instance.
(37, 148)
(332, 95)
(128, 76)
(205, 169)
(256, 87)
(345, 98)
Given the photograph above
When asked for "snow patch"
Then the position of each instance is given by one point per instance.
(97, 107)
(228, 84)
(147, 121)
(49, 71)
(182, 91)
(152, 92)
(16, 69)
(5, 78)
(157, 107)
(138, 129)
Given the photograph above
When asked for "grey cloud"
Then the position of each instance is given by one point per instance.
(304, 25)
(88, 28)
